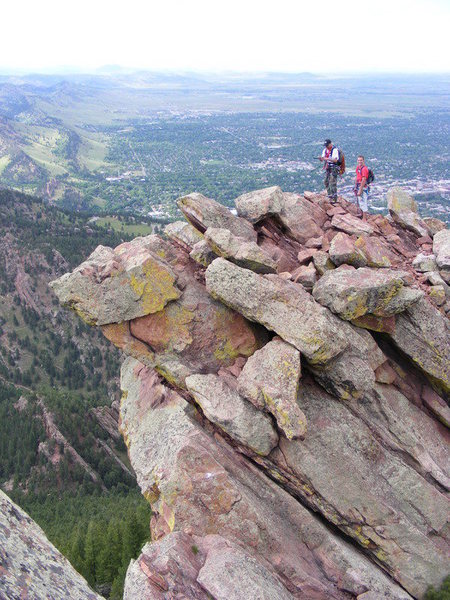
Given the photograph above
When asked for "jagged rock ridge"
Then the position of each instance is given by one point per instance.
(283, 400)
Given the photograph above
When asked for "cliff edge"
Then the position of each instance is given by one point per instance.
(283, 396)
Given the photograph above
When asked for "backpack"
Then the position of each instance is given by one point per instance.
(341, 160)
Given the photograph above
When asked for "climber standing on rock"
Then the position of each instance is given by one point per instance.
(330, 156)
(362, 186)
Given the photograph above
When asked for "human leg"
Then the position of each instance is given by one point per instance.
(364, 200)
(332, 186)
(326, 180)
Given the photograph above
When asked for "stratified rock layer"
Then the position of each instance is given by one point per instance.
(198, 485)
(287, 452)
(30, 566)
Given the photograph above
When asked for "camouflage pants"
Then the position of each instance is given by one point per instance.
(331, 184)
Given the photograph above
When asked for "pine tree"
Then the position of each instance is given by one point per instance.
(76, 552)
(90, 553)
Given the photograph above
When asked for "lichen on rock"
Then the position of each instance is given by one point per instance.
(252, 403)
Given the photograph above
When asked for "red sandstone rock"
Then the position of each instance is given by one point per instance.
(314, 242)
(305, 256)
(382, 324)
(373, 461)
(425, 239)
(385, 374)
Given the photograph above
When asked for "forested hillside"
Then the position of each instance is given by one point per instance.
(61, 456)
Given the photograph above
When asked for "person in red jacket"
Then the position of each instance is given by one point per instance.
(362, 188)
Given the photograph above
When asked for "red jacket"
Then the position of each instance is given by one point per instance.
(362, 172)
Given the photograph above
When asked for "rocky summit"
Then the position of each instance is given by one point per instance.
(284, 396)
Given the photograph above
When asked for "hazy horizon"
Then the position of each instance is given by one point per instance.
(111, 69)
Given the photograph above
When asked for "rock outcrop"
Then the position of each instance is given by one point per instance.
(286, 419)
(30, 566)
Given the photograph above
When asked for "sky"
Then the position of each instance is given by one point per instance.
(233, 35)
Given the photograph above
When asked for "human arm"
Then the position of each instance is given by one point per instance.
(362, 186)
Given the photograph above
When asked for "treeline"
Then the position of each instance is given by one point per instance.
(88, 368)
(54, 362)
(20, 434)
(40, 227)
(99, 534)
(31, 461)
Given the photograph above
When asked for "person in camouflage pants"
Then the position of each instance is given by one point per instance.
(330, 156)
(331, 183)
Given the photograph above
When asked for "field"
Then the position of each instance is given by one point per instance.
(133, 229)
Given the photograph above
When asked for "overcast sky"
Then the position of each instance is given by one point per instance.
(242, 35)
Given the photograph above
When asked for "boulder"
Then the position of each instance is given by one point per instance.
(340, 354)
(424, 263)
(188, 335)
(306, 276)
(256, 205)
(434, 225)
(385, 374)
(322, 262)
(204, 212)
(240, 251)
(351, 225)
(118, 285)
(31, 567)
(376, 251)
(403, 209)
(422, 333)
(441, 248)
(207, 568)
(183, 233)
(343, 251)
(195, 333)
(304, 256)
(445, 276)
(314, 242)
(374, 323)
(202, 253)
(303, 219)
(238, 417)
(280, 306)
(270, 380)
(437, 295)
(435, 279)
(353, 293)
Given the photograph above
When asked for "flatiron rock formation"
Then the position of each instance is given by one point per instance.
(30, 566)
(284, 396)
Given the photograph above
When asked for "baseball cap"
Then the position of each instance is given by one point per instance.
(327, 142)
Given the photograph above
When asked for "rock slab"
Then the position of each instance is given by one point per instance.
(30, 566)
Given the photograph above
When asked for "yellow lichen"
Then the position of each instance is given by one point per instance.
(153, 286)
